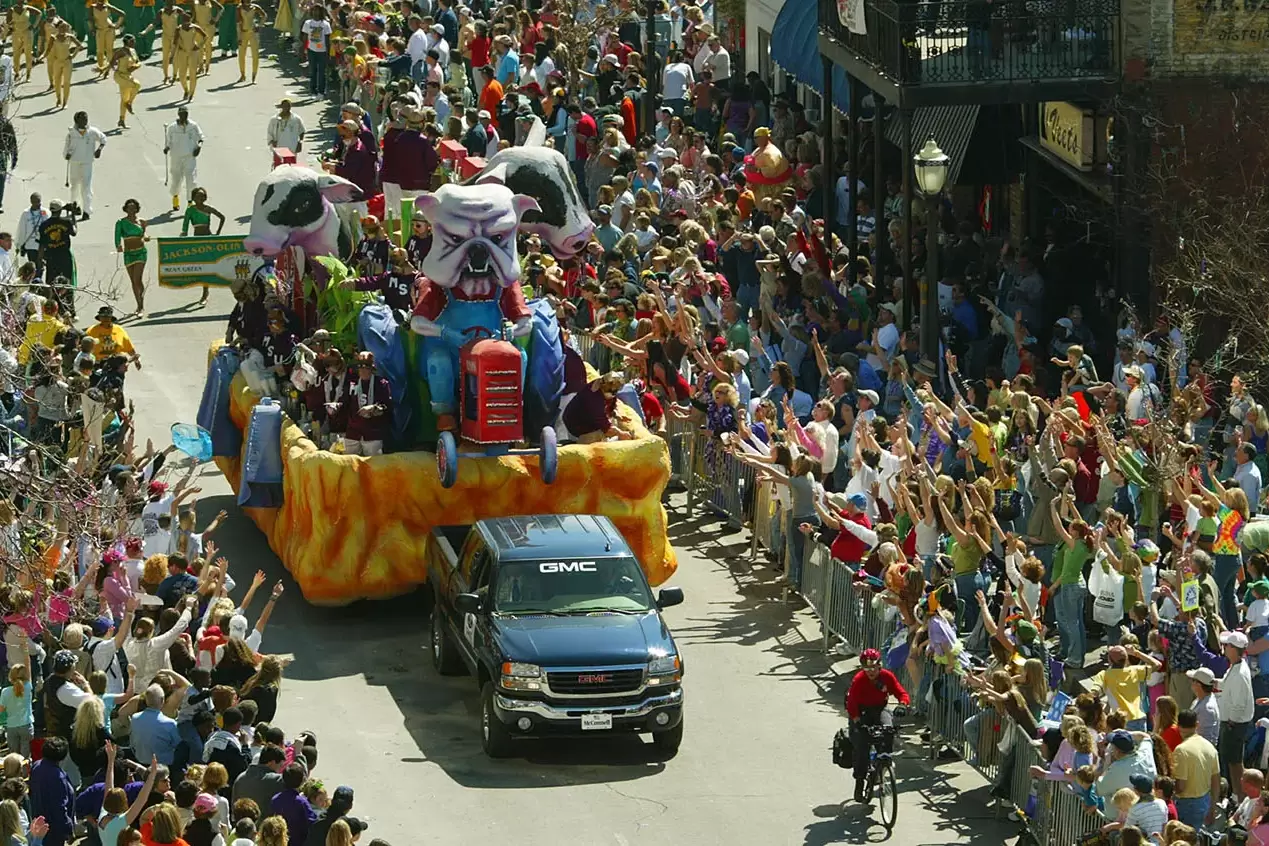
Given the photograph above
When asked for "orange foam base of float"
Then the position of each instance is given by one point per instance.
(355, 528)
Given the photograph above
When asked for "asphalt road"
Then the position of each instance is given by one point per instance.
(762, 700)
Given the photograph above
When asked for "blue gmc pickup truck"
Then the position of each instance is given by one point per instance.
(553, 617)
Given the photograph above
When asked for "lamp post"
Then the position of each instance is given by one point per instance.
(930, 166)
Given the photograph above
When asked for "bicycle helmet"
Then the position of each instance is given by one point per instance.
(869, 656)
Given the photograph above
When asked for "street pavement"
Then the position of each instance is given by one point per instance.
(763, 702)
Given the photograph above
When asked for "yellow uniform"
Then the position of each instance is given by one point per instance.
(188, 55)
(104, 31)
(248, 39)
(170, 22)
(23, 43)
(50, 32)
(125, 65)
(203, 10)
(60, 52)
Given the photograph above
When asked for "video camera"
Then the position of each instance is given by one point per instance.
(72, 210)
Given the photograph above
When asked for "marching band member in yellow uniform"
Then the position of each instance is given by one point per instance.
(60, 53)
(49, 27)
(170, 19)
(21, 32)
(188, 54)
(205, 13)
(250, 16)
(125, 62)
(104, 30)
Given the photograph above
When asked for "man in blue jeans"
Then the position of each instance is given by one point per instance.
(1197, 770)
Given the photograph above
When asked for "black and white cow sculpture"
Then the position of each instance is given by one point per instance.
(294, 208)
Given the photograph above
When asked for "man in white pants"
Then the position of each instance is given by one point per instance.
(182, 145)
(83, 146)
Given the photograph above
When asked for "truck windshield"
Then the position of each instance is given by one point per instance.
(571, 587)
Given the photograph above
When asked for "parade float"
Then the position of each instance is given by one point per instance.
(477, 372)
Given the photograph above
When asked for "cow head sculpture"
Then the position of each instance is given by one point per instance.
(561, 218)
(293, 208)
(474, 238)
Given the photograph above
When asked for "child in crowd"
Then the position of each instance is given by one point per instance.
(1257, 617)
(1085, 778)
(1123, 800)
(1165, 789)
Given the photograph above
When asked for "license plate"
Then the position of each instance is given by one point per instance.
(591, 722)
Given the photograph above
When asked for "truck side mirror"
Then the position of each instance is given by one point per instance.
(469, 603)
(669, 597)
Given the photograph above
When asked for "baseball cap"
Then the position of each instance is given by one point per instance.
(1203, 676)
(1122, 740)
(204, 804)
(356, 826)
(343, 796)
(64, 660)
(653, 165)
(611, 58)
(604, 209)
(483, 114)
(101, 625)
(352, 107)
(1238, 640)
(741, 356)
(858, 500)
(870, 395)
(1141, 783)
(1064, 322)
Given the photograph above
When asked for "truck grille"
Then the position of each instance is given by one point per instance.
(592, 682)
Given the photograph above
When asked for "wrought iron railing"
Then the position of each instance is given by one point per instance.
(958, 41)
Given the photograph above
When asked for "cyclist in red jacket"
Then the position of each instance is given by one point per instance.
(866, 698)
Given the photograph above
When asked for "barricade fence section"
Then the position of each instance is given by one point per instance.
(854, 616)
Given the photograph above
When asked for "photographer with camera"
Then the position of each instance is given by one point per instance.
(55, 252)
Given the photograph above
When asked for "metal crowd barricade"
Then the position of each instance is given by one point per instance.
(764, 516)
(583, 342)
(700, 484)
(679, 434)
(860, 619)
(1068, 818)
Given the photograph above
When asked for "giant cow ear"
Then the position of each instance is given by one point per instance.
(524, 203)
(426, 204)
(496, 175)
(339, 190)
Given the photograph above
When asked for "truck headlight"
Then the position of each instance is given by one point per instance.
(664, 669)
(518, 676)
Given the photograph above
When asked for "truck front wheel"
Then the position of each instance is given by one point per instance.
(494, 736)
(444, 657)
(668, 741)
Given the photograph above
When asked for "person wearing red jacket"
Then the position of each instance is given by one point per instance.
(866, 698)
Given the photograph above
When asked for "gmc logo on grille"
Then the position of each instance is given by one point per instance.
(594, 678)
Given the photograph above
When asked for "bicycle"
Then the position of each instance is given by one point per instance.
(881, 778)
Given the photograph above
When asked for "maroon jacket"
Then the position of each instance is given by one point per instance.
(358, 164)
(368, 428)
(409, 159)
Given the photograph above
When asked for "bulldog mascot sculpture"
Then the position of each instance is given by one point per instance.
(472, 276)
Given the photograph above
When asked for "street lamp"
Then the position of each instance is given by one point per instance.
(930, 166)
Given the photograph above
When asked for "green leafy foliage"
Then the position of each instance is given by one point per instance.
(337, 305)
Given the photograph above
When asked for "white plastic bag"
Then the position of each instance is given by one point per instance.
(1106, 584)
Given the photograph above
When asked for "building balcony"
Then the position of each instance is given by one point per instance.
(948, 52)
